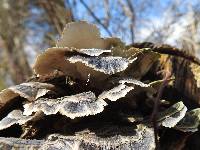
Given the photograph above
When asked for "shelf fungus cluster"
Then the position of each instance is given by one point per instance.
(89, 92)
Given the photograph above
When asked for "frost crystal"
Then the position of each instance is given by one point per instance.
(93, 51)
(108, 65)
(134, 82)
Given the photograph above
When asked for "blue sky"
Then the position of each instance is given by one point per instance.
(151, 10)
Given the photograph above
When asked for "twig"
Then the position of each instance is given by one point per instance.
(181, 143)
(95, 17)
(128, 11)
(58, 14)
(156, 107)
(131, 8)
(107, 13)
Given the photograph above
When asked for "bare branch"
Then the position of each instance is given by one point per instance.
(132, 24)
(95, 17)
(129, 12)
(156, 108)
(107, 13)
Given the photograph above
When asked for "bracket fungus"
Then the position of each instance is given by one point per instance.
(171, 116)
(73, 106)
(98, 88)
(28, 90)
(14, 117)
(190, 122)
(84, 35)
(90, 140)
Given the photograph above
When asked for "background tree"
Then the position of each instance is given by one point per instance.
(28, 27)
